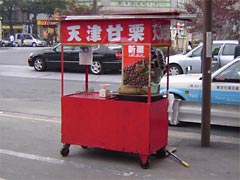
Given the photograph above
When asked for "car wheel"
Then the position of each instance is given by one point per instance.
(39, 64)
(175, 69)
(34, 45)
(145, 165)
(178, 97)
(3, 45)
(96, 67)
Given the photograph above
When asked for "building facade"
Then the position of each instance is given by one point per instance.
(136, 6)
(19, 19)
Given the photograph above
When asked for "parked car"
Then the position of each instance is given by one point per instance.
(222, 50)
(29, 40)
(5, 42)
(225, 95)
(105, 58)
(225, 85)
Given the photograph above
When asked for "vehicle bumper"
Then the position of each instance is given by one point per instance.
(30, 62)
(221, 114)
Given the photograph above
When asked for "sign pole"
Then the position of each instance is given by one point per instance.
(206, 83)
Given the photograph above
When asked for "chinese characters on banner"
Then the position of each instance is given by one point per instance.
(136, 64)
(115, 31)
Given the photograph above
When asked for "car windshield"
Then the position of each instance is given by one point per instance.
(215, 49)
(66, 48)
(36, 36)
(57, 48)
(230, 74)
(229, 49)
(197, 52)
(27, 36)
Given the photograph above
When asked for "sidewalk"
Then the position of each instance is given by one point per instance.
(219, 161)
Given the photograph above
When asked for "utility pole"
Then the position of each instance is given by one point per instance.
(206, 83)
(94, 7)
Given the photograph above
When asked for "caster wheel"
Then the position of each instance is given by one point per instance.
(161, 153)
(65, 150)
(145, 165)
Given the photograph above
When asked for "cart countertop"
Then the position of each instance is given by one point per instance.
(121, 97)
(90, 95)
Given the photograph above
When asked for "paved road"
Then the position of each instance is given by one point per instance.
(16, 55)
(30, 145)
(39, 93)
(23, 71)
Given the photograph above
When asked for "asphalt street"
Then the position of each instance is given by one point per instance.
(30, 149)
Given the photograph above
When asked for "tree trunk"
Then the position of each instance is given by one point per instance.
(34, 23)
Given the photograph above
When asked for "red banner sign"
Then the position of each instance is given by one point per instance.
(112, 31)
(133, 53)
(136, 64)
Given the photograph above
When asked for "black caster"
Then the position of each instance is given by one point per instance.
(145, 165)
(161, 153)
(65, 150)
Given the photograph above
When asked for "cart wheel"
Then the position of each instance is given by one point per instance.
(65, 150)
(145, 165)
(161, 153)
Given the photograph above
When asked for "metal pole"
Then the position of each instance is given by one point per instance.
(206, 83)
(62, 71)
(94, 7)
(167, 69)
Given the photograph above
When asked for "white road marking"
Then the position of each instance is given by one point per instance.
(31, 156)
(29, 117)
(72, 163)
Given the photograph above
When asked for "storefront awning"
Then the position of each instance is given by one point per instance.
(7, 27)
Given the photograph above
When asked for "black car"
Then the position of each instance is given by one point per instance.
(105, 58)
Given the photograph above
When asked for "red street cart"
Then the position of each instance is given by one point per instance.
(135, 119)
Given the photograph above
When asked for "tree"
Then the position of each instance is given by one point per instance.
(49, 7)
(74, 8)
(7, 8)
(225, 22)
(35, 7)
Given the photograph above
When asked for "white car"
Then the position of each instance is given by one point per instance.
(5, 43)
(29, 40)
(222, 50)
(225, 91)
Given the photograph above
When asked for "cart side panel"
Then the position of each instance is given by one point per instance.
(159, 125)
(107, 124)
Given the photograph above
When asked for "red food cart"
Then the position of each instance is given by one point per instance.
(134, 120)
